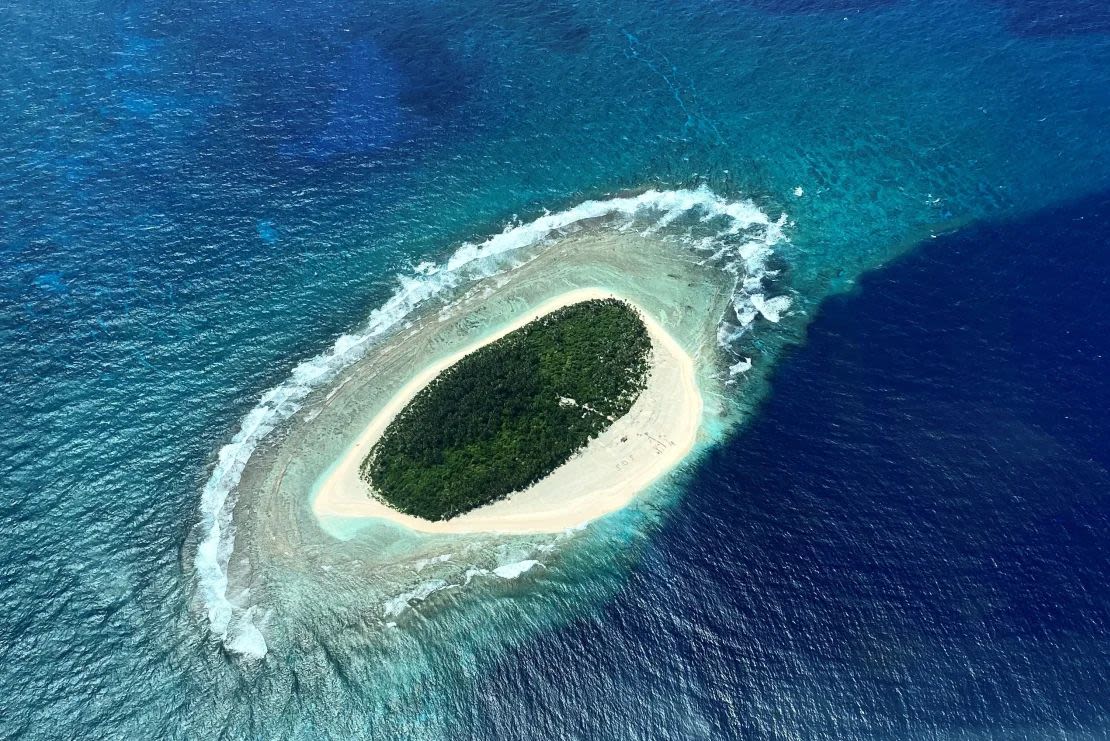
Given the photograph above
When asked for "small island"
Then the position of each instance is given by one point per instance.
(557, 417)
(508, 414)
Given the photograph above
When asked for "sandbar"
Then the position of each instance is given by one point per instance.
(659, 430)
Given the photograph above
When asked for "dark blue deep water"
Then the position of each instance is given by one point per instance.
(909, 537)
(912, 540)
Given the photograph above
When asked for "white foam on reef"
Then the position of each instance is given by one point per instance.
(426, 562)
(513, 570)
(742, 241)
(771, 308)
(395, 606)
(743, 365)
(245, 637)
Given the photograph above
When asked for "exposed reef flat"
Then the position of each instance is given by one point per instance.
(658, 431)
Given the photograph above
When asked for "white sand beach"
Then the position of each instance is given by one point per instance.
(656, 434)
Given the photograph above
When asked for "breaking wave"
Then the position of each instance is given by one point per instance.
(735, 233)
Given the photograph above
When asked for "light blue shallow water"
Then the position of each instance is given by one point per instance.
(196, 196)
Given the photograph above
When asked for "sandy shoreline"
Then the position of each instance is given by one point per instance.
(656, 434)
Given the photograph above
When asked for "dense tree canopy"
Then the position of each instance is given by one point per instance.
(513, 411)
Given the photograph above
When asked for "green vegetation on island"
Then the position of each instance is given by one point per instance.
(510, 413)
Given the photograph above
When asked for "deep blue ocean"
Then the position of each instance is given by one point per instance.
(906, 537)
(911, 540)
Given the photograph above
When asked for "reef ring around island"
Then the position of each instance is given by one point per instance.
(655, 435)
(271, 569)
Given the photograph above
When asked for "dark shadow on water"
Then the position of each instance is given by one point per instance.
(911, 540)
(1036, 18)
(1057, 17)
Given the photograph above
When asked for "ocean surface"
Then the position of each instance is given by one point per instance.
(902, 532)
